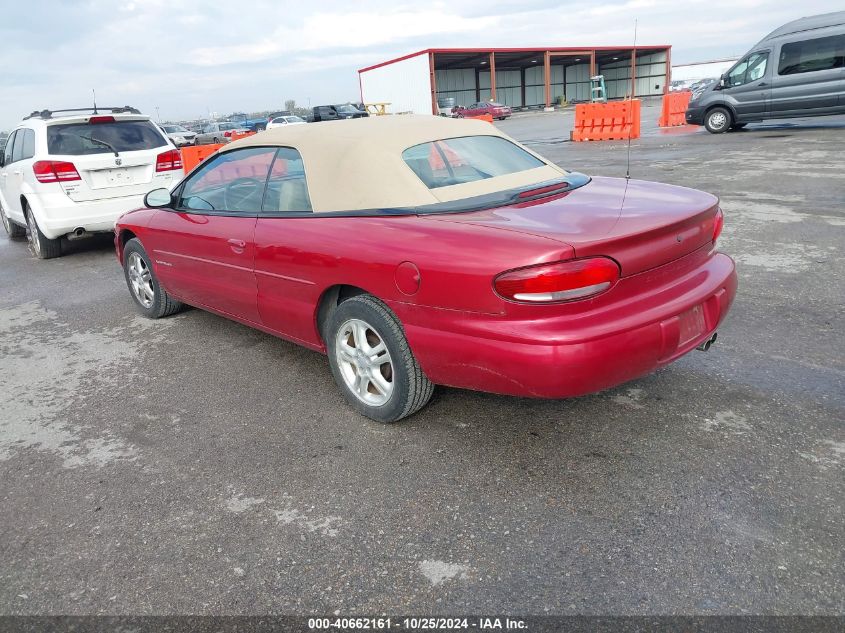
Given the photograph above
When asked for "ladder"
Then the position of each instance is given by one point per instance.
(598, 93)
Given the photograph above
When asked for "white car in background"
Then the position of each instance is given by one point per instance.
(180, 136)
(284, 121)
(74, 172)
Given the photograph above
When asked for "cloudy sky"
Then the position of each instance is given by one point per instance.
(189, 57)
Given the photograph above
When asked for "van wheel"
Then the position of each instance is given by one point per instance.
(718, 120)
(15, 231)
(372, 362)
(44, 247)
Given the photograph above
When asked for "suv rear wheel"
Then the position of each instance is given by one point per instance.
(718, 120)
(44, 247)
(15, 231)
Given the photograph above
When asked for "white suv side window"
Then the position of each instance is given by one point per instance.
(10, 143)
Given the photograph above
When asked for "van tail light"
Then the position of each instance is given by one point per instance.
(55, 171)
(561, 281)
(718, 224)
(168, 161)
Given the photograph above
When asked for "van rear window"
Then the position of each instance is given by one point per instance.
(81, 139)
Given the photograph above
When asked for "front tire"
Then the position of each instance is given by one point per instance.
(44, 247)
(150, 297)
(14, 231)
(718, 120)
(372, 363)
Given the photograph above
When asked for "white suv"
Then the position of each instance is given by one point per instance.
(74, 172)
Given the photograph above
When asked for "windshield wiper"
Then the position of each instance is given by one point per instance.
(103, 143)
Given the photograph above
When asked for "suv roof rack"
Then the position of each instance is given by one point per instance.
(48, 114)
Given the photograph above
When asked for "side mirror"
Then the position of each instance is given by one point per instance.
(722, 81)
(158, 198)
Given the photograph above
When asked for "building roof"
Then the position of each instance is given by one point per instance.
(357, 164)
(527, 50)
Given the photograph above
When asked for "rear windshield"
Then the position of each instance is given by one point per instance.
(80, 139)
(456, 161)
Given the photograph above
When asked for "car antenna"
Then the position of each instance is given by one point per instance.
(94, 94)
(633, 91)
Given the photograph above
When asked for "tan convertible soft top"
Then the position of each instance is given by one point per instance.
(357, 164)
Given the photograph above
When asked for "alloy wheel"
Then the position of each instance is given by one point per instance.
(140, 279)
(33, 233)
(718, 120)
(365, 362)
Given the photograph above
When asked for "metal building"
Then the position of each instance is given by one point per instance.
(518, 77)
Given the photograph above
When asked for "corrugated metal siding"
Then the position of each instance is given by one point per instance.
(405, 84)
(651, 76)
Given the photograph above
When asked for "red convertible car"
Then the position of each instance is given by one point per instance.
(418, 250)
(495, 110)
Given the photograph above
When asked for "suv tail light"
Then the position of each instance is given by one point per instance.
(168, 161)
(101, 119)
(561, 281)
(718, 224)
(55, 171)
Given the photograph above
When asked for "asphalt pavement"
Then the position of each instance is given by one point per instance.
(194, 465)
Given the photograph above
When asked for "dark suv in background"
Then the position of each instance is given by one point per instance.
(336, 112)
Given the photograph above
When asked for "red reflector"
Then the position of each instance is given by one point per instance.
(718, 224)
(101, 119)
(561, 281)
(168, 161)
(55, 171)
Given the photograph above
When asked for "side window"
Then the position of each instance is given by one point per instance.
(230, 182)
(822, 53)
(28, 144)
(749, 69)
(17, 152)
(10, 143)
(287, 188)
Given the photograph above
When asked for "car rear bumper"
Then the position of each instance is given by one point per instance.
(57, 215)
(577, 353)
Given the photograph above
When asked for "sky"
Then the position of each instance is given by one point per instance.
(191, 57)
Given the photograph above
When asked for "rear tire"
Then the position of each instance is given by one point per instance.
(15, 231)
(718, 120)
(149, 296)
(44, 247)
(375, 369)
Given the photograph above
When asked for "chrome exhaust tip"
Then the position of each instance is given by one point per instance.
(706, 344)
(78, 233)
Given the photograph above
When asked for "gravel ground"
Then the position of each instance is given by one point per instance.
(193, 465)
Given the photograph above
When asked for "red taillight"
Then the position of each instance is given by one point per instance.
(227, 134)
(561, 281)
(101, 119)
(55, 171)
(169, 161)
(718, 224)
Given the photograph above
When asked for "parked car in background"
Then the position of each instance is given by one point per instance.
(335, 112)
(74, 172)
(495, 110)
(254, 125)
(443, 253)
(215, 132)
(283, 121)
(179, 135)
(797, 70)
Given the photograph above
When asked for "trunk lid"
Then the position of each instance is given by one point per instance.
(640, 224)
(103, 175)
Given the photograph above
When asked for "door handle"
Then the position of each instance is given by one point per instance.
(237, 245)
(762, 83)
